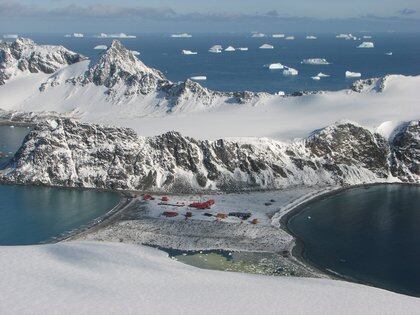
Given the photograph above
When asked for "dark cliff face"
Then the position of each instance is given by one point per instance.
(406, 152)
(68, 153)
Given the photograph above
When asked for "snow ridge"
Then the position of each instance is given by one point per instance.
(67, 153)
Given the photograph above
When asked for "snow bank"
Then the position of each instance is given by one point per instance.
(112, 278)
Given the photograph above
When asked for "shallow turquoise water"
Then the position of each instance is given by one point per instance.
(371, 235)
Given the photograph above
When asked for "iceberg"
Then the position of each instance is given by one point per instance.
(311, 37)
(243, 48)
(367, 37)
(216, 49)
(101, 47)
(188, 52)
(389, 53)
(280, 93)
(266, 46)
(230, 48)
(316, 78)
(67, 35)
(10, 36)
(278, 35)
(315, 61)
(350, 74)
(290, 72)
(366, 45)
(346, 36)
(78, 35)
(275, 66)
(290, 38)
(182, 35)
(135, 52)
(258, 35)
(322, 75)
(102, 35)
(121, 36)
(199, 78)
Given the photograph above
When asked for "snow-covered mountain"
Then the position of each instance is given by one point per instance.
(23, 56)
(120, 90)
(67, 153)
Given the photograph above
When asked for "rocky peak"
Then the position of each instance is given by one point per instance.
(24, 55)
(372, 84)
(120, 71)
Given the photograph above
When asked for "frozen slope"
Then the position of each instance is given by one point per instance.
(113, 278)
(121, 90)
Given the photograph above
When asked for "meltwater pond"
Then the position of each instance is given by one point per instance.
(31, 215)
(370, 234)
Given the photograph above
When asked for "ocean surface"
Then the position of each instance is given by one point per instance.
(244, 70)
(31, 215)
(370, 235)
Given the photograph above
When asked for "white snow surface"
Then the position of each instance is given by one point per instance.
(116, 278)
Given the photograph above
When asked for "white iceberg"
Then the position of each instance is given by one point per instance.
(367, 37)
(182, 35)
(290, 38)
(389, 53)
(278, 35)
(100, 47)
(322, 75)
(135, 52)
(315, 61)
(290, 72)
(78, 35)
(121, 36)
(102, 35)
(316, 78)
(230, 48)
(10, 36)
(311, 37)
(258, 35)
(243, 48)
(366, 45)
(350, 74)
(266, 46)
(216, 49)
(276, 66)
(199, 78)
(280, 93)
(188, 52)
(67, 35)
(346, 36)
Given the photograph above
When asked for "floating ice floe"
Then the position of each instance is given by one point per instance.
(315, 61)
(350, 74)
(10, 36)
(135, 52)
(216, 49)
(188, 52)
(258, 35)
(230, 48)
(266, 46)
(311, 37)
(367, 37)
(199, 78)
(389, 53)
(290, 38)
(275, 66)
(316, 78)
(100, 47)
(120, 36)
(366, 45)
(322, 75)
(243, 48)
(290, 72)
(280, 93)
(346, 36)
(278, 35)
(182, 35)
(78, 35)
(67, 35)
